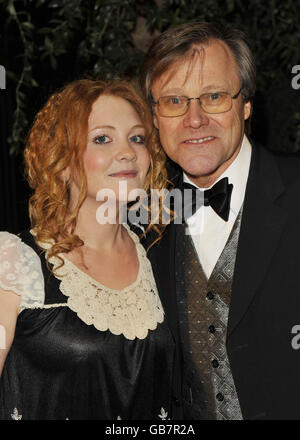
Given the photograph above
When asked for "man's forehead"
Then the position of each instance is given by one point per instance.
(212, 55)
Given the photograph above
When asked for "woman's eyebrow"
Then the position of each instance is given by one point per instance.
(138, 126)
(102, 126)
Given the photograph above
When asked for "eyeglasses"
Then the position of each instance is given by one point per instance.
(174, 105)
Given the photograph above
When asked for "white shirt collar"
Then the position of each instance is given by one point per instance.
(237, 174)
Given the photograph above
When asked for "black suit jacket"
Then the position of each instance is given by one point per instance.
(265, 303)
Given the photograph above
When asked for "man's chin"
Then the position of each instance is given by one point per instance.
(203, 176)
(198, 166)
(198, 172)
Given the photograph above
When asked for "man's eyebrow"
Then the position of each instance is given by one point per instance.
(172, 91)
(209, 88)
(215, 87)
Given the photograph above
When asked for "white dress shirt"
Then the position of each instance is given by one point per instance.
(207, 229)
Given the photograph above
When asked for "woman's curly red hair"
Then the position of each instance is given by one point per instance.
(57, 139)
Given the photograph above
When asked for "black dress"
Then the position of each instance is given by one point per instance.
(61, 366)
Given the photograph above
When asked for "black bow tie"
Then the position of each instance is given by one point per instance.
(218, 197)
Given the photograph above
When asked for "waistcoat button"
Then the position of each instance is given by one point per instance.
(220, 397)
(210, 295)
(212, 329)
(215, 363)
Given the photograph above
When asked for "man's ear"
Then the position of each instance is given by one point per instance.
(247, 110)
(155, 121)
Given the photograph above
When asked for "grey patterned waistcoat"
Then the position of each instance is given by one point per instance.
(209, 391)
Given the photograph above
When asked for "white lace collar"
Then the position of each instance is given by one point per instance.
(131, 311)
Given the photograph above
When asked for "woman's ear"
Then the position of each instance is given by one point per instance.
(65, 175)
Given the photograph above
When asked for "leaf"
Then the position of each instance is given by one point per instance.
(53, 62)
(11, 8)
(34, 83)
(54, 4)
(27, 25)
(48, 43)
(12, 75)
(44, 30)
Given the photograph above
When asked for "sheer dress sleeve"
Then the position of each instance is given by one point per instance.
(20, 271)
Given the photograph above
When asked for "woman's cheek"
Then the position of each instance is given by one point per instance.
(94, 160)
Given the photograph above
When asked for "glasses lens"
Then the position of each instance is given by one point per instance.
(218, 102)
(172, 105)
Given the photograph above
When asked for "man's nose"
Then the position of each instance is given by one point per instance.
(126, 152)
(195, 117)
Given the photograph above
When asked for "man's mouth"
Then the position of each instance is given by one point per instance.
(199, 140)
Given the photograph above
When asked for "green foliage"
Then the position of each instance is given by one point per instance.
(55, 41)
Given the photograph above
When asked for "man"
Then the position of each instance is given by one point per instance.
(229, 277)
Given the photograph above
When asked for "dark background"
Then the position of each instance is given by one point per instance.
(45, 44)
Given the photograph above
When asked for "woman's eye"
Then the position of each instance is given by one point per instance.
(103, 139)
(138, 139)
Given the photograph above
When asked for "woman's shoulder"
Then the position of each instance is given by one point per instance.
(19, 247)
(20, 267)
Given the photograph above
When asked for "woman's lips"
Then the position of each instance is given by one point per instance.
(127, 174)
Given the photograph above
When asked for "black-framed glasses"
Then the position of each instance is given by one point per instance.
(176, 105)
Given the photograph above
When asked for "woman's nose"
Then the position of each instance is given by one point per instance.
(126, 152)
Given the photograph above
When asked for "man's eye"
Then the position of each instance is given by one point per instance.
(103, 139)
(138, 139)
(175, 100)
(214, 96)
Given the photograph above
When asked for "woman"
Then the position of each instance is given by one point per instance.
(85, 330)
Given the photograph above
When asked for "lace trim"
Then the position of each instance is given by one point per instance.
(131, 311)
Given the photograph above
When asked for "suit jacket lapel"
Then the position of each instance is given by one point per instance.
(261, 227)
(162, 257)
